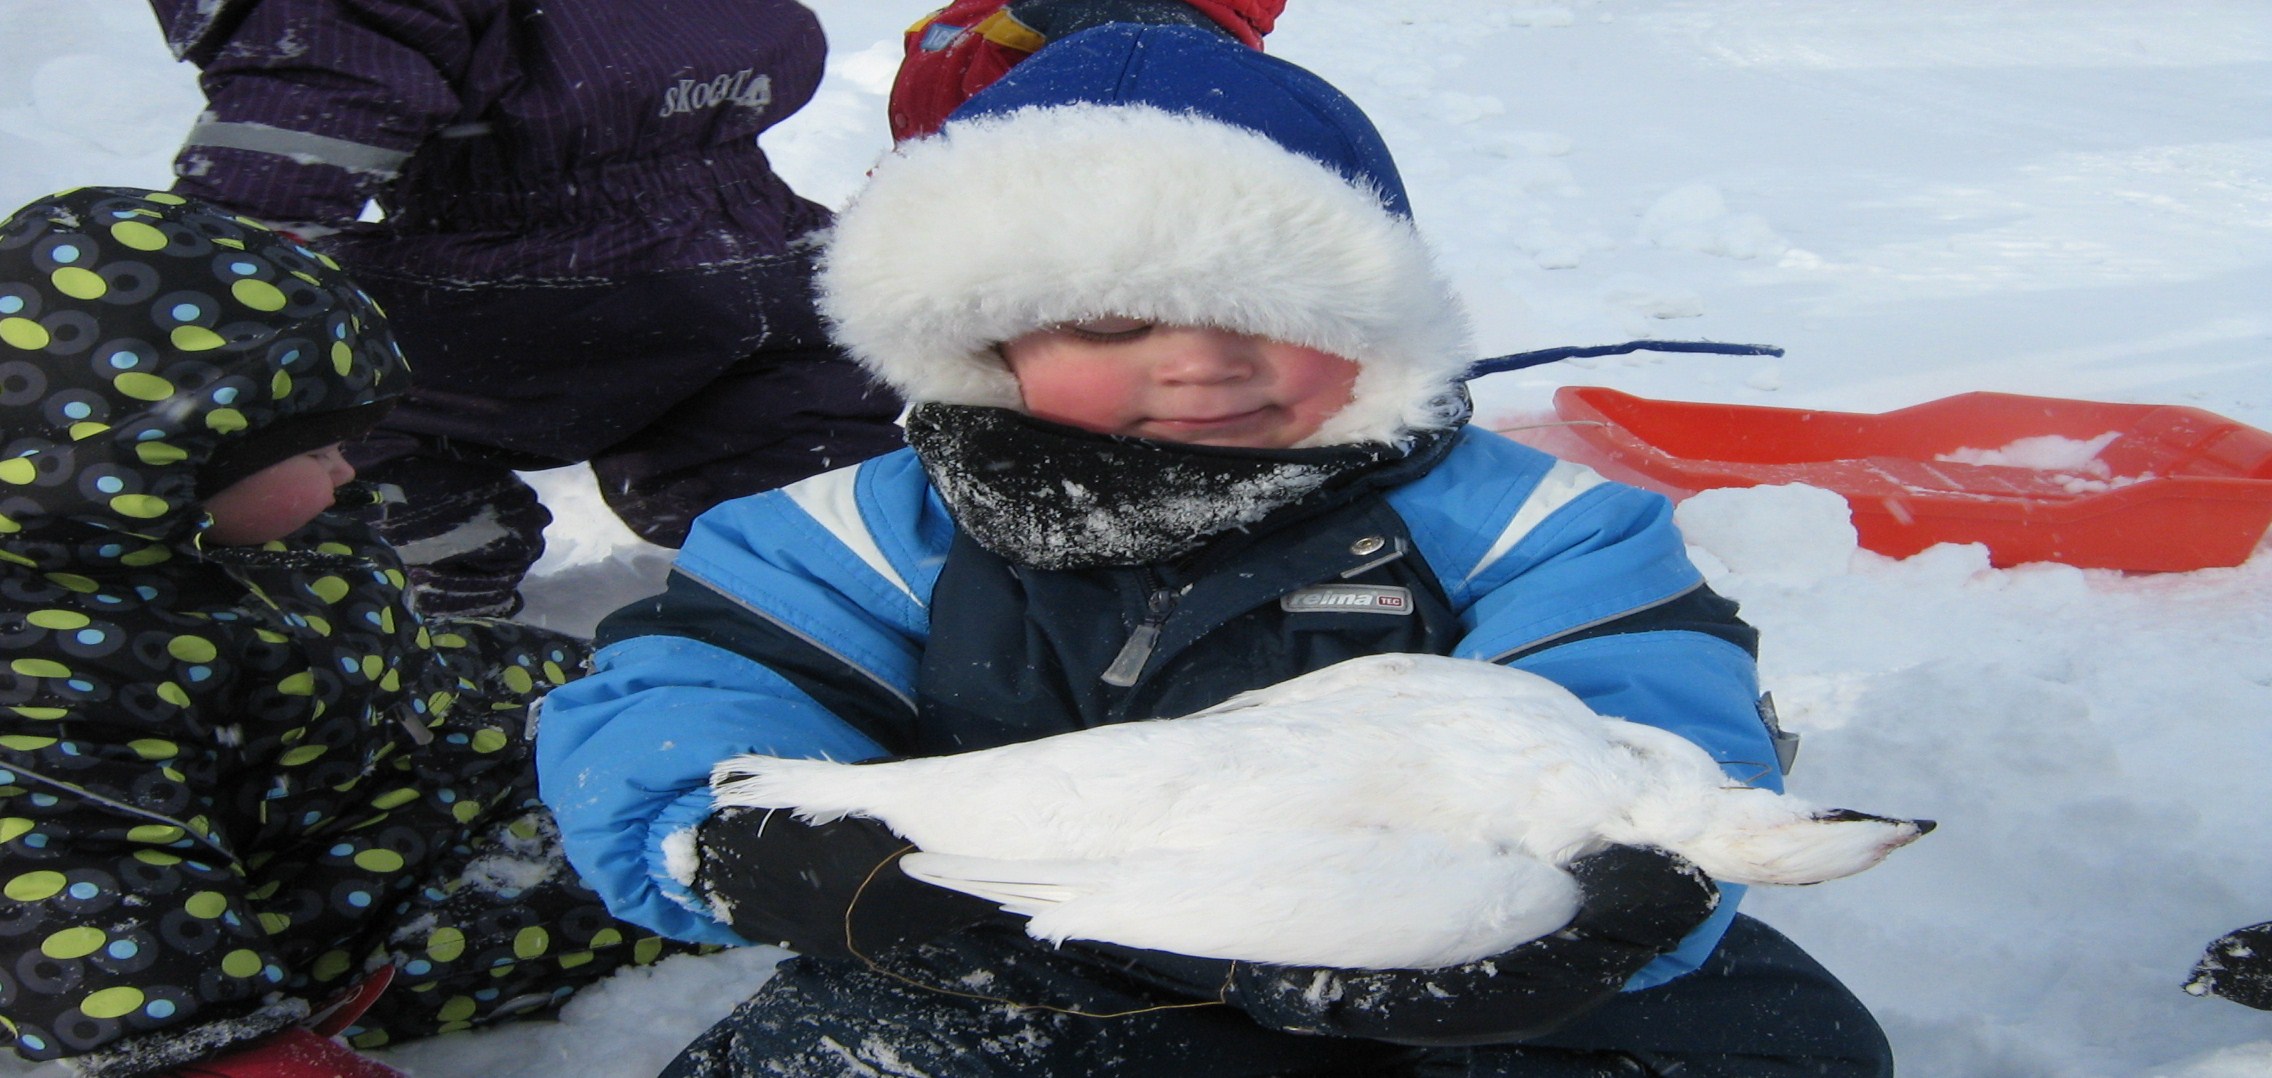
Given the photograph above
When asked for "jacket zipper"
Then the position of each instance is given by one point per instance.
(1128, 666)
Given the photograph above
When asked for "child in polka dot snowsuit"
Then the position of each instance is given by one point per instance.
(240, 780)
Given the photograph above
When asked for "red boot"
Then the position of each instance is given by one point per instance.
(341, 1011)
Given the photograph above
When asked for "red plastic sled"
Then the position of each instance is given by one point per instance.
(2172, 489)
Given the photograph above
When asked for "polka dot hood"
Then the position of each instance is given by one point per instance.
(153, 348)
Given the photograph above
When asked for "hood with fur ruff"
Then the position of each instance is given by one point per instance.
(1158, 173)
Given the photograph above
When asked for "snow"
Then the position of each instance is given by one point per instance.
(2048, 453)
(2073, 463)
(2067, 198)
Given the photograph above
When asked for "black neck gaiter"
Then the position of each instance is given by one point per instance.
(1056, 497)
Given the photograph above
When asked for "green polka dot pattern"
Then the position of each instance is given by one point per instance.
(236, 777)
(140, 334)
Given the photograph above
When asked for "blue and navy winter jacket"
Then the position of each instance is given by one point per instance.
(847, 617)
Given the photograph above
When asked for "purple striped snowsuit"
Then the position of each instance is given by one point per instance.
(584, 251)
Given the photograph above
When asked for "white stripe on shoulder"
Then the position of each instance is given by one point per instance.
(832, 500)
(1560, 486)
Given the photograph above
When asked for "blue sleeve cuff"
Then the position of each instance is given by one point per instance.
(675, 909)
(1693, 951)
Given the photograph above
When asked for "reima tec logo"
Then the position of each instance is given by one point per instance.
(1348, 598)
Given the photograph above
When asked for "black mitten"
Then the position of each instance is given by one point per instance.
(2237, 966)
(1642, 896)
(823, 889)
(1638, 903)
(1053, 19)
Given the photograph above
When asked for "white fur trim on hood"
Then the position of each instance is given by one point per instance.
(1009, 223)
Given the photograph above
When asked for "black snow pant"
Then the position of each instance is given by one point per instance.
(1759, 1008)
(682, 390)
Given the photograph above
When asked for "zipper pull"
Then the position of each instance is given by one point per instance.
(1129, 664)
(419, 734)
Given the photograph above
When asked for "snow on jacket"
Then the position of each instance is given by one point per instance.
(220, 768)
(848, 617)
(962, 48)
(503, 138)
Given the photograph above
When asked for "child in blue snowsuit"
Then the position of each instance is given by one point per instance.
(1181, 366)
(249, 798)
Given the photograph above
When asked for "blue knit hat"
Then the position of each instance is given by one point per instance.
(1178, 71)
(1153, 172)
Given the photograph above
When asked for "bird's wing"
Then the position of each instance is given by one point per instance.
(1025, 888)
(1368, 899)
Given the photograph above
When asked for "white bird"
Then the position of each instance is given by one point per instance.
(1390, 811)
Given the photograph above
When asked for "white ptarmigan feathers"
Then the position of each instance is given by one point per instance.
(1391, 811)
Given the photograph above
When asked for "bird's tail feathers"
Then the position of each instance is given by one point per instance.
(1764, 837)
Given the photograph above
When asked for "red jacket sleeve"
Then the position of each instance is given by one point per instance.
(962, 48)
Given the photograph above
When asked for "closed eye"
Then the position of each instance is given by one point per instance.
(1107, 330)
